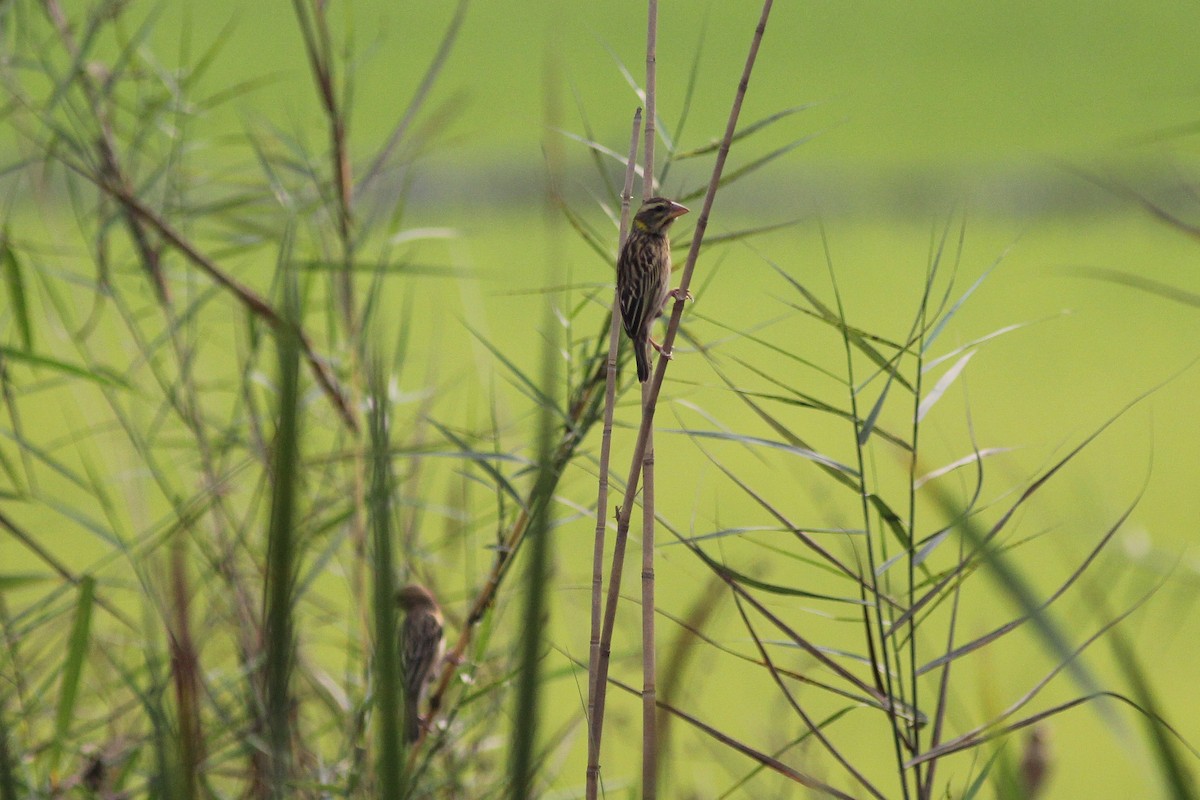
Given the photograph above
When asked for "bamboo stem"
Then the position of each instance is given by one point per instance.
(610, 396)
(655, 383)
(649, 660)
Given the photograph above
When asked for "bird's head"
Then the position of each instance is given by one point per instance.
(415, 596)
(657, 214)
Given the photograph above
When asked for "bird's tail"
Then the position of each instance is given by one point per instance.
(641, 354)
(412, 720)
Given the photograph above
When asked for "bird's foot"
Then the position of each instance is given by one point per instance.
(680, 294)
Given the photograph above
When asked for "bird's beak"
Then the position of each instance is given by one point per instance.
(677, 211)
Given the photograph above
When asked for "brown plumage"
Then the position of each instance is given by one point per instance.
(421, 647)
(644, 275)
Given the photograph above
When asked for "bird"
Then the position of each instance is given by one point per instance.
(644, 275)
(1036, 763)
(421, 647)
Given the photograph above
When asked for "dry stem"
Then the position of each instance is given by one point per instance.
(610, 394)
(655, 384)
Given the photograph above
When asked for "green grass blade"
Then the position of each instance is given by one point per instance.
(281, 559)
(530, 645)
(387, 657)
(803, 452)
(100, 375)
(749, 130)
(944, 383)
(14, 282)
(8, 782)
(77, 647)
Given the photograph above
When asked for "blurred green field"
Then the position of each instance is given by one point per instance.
(930, 116)
(928, 84)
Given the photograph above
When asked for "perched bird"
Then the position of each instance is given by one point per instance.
(644, 275)
(1036, 763)
(421, 648)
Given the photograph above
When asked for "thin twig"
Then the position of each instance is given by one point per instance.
(610, 395)
(649, 660)
(631, 485)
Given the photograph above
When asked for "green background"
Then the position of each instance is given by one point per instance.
(925, 116)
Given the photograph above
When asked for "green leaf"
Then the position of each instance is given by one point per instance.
(77, 647)
(14, 282)
(100, 375)
(19, 581)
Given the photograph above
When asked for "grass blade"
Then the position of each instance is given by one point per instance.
(77, 647)
(281, 560)
(14, 281)
(387, 658)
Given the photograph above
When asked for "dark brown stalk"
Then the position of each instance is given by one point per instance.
(610, 395)
(185, 665)
(655, 384)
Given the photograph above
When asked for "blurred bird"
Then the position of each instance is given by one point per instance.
(644, 275)
(421, 648)
(1035, 763)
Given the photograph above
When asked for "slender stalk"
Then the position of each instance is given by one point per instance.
(610, 397)
(185, 671)
(649, 654)
(8, 780)
(914, 731)
(649, 660)
(655, 383)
